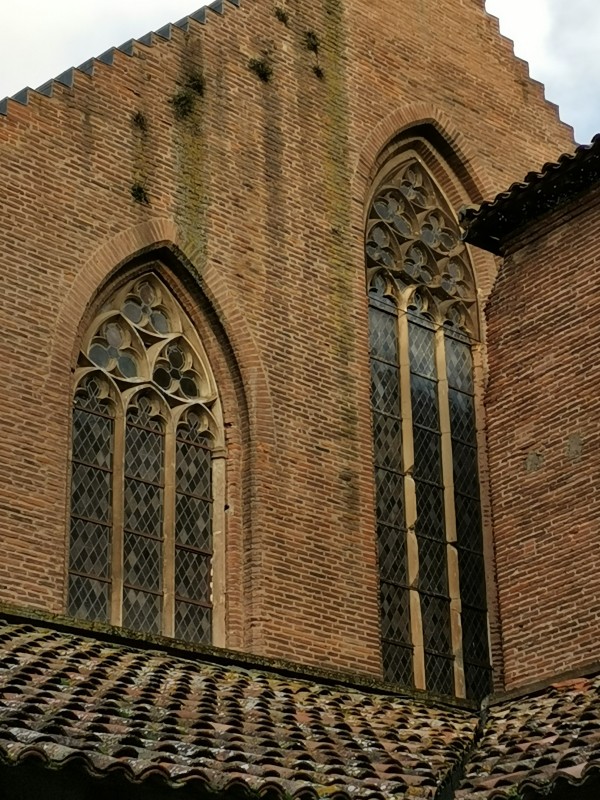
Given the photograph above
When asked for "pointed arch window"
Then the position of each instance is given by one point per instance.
(423, 327)
(147, 464)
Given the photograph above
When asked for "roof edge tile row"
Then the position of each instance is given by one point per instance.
(68, 77)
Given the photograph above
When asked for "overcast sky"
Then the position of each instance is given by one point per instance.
(41, 38)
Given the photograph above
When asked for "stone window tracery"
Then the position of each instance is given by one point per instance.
(147, 469)
(423, 325)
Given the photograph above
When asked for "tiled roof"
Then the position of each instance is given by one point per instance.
(129, 48)
(489, 224)
(67, 696)
(540, 742)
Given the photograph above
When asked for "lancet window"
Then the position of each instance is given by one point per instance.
(423, 326)
(146, 468)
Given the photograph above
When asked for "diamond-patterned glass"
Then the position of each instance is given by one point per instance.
(193, 575)
(385, 387)
(383, 329)
(464, 461)
(423, 393)
(91, 493)
(439, 674)
(88, 599)
(143, 508)
(478, 680)
(472, 580)
(422, 350)
(462, 416)
(141, 611)
(395, 615)
(427, 455)
(397, 663)
(90, 548)
(387, 437)
(468, 522)
(389, 497)
(433, 573)
(142, 562)
(392, 554)
(475, 635)
(430, 511)
(144, 454)
(193, 623)
(459, 365)
(193, 470)
(92, 438)
(193, 522)
(435, 612)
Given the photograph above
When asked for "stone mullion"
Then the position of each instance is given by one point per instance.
(218, 549)
(168, 543)
(410, 503)
(450, 514)
(118, 519)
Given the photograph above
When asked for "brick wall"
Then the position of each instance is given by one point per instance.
(260, 192)
(543, 411)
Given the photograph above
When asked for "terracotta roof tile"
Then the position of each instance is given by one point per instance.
(537, 742)
(557, 183)
(67, 697)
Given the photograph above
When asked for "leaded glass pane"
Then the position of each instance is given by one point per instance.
(435, 612)
(91, 491)
(192, 575)
(459, 365)
(92, 438)
(464, 460)
(472, 582)
(88, 598)
(193, 522)
(427, 456)
(141, 610)
(462, 416)
(142, 562)
(387, 437)
(143, 507)
(397, 663)
(422, 352)
(143, 453)
(193, 471)
(385, 388)
(383, 335)
(430, 511)
(478, 680)
(193, 623)
(475, 635)
(433, 574)
(395, 618)
(424, 402)
(439, 673)
(389, 495)
(468, 522)
(392, 554)
(90, 548)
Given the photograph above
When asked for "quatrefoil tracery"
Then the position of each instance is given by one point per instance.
(413, 239)
(139, 338)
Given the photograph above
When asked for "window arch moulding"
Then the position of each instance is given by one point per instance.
(424, 323)
(148, 471)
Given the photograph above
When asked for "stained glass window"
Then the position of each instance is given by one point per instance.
(423, 323)
(146, 421)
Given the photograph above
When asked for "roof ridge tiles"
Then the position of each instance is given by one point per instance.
(67, 78)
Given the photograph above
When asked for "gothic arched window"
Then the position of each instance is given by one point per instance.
(146, 461)
(423, 324)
